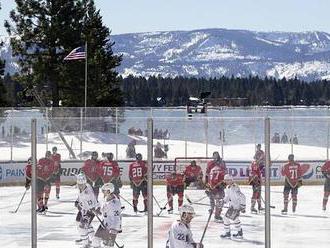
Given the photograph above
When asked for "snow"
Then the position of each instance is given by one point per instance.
(59, 229)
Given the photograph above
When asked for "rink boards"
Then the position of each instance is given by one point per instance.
(13, 172)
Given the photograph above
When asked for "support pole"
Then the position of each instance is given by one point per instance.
(34, 183)
(206, 127)
(81, 131)
(267, 184)
(150, 182)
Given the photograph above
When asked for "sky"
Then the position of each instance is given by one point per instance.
(131, 16)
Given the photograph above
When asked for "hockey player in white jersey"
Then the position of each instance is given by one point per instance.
(87, 205)
(111, 224)
(236, 200)
(180, 235)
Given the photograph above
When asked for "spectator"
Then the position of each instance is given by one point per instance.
(284, 138)
(158, 151)
(130, 150)
(295, 140)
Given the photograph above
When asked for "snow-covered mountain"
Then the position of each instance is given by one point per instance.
(218, 52)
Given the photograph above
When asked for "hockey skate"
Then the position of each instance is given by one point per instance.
(261, 209)
(254, 211)
(170, 211)
(57, 196)
(218, 219)
(284, 211)
(239, 234)
(41, 210)
(226, 235)
(135, 209)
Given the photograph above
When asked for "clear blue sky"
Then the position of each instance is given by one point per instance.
(127, 16)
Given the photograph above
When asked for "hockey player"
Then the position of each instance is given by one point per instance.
(174, 185)
(56, 157)
(138, 178)
(111, 224)
(237, 203)
(180, 235)
(45, 170)
(293, 180)
(28, 174)
(259, 157)
(193, 174)
(325, 169)
(90, 169)
(215, 186)
(87, 205)
(255, 181)
(109, 172)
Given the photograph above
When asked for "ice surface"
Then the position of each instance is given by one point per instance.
(309, 227)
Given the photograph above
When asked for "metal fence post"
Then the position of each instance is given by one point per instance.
(33, 183)
(150, 182)
(81, 130)
(116, 133)
(267, 184)
(206, 127)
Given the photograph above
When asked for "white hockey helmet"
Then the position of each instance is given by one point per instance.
(228, 178)
(187, 213)
(81, 179)
(108, 188)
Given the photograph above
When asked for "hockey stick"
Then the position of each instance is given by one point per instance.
(271, 206)
(198, 203)
(158, 203)
(207, 224)
(102, 224)
(161, 209)
(130, 203)
(19, 204)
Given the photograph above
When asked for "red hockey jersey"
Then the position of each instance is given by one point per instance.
(216, 175)
(175, 181)
(138, 172)
(45, 169)
(254, 173)
(107, 170)
(193, 171)
(90, 169)
(292, 173)
(211, 165)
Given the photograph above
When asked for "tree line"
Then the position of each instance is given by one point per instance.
(160, 91)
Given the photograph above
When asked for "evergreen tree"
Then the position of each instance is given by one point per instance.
(3, 101)
(48, 30)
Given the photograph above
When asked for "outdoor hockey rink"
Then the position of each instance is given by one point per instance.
(309, 227)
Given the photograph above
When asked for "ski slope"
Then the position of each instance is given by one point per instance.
(309, 227)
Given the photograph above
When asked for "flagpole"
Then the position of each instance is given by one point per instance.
(85, 76)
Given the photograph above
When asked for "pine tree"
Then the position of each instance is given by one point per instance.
(48, 30)
(3, 101)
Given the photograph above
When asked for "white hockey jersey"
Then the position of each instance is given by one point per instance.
(179, 236)
(234, 197)
(111, 211)
(87, 199)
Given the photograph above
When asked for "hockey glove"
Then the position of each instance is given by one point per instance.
(242, 208)
(198, 245)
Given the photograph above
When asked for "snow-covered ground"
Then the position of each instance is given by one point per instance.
(309, 227)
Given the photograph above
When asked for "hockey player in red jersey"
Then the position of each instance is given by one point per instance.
(56, 157)
(28, 173)
(174, 185)
(193, 175)
(109, 172)
(325, 169)
(255, 182)
(138, 178)
(45, 174)
(215, 184)
(90, 169)
(259, 157)
(293, 180)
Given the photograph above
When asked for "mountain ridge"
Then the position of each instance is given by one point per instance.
(217, 52)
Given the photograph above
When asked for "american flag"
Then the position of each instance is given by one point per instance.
(77, 53)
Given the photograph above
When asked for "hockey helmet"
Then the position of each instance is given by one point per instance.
(187, 213)
(29, 160)
(81, 179)
(228, 178)
(54, 149)
(138, 156)
(108, 188)
(291, 157)
(109, 156)
(48, 154)
(95, 155)
(193, 162)
(216, 156)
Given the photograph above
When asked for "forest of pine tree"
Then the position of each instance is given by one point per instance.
(139, 91)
